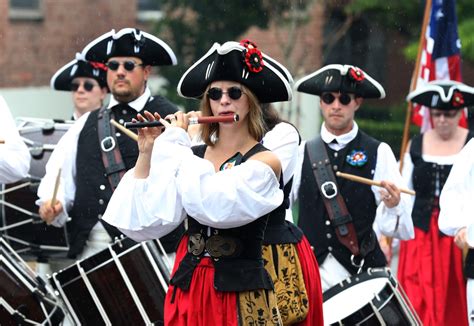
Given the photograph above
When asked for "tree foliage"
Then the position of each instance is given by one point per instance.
(191, 27)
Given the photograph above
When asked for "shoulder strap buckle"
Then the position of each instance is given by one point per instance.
(107, 144)
(329, 189)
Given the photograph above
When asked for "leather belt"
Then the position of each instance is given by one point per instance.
(216, 246)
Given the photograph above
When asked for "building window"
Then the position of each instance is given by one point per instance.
(149, 10)
(26, 9)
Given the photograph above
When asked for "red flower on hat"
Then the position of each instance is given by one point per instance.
(98, 65)
(252, 56)
(356, 74)
(458, 99)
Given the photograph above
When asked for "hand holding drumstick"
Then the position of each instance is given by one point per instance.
(51, 208)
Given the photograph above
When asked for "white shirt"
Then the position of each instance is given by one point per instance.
(457, 196)
(14, 154)
(181, 183)
(386, 168)
(64, 157)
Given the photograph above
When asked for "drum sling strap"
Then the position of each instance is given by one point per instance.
(111, 156)
(336, 208)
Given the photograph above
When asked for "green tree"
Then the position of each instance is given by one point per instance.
(192, 26)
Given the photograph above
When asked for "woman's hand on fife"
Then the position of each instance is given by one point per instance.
(179, 119)
(195, 129)
(147, 136)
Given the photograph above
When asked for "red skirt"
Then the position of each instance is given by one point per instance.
(202, 305)
(430, 272)
(312, 280)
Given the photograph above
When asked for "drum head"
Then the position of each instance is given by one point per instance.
(352, 294)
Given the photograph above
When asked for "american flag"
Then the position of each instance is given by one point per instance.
(441, 55)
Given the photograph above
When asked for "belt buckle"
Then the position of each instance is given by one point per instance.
(218, 246)
(107, 147)
(329, 189)
(196, 244)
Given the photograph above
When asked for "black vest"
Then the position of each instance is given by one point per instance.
(360, 200)
(93, 190)
(424, 177)
(278, 229)
(241, 272)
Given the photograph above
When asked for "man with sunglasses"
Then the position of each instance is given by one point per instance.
(97, 155)
(337, 215)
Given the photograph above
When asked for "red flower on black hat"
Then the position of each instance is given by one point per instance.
(458, 99)
(98, 65)
(356, 74)
(252, 56)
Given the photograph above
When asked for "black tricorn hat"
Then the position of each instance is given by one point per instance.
(79, 67)
(240, 62)
(130, 42)
(340, 78)
(443, 94)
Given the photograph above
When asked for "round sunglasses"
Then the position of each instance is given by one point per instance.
(88, 86)
(215, 93)
(344, 98)
(129, 65)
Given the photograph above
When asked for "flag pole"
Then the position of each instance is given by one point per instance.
(385, 241)
(414, 79)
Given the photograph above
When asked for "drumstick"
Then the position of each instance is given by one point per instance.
(370, 182)
(127, 132)
(192, 121)
(56, 187)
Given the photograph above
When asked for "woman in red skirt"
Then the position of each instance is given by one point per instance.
(224, 189)
(430, 266)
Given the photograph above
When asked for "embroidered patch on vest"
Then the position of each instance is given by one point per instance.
(357, 158)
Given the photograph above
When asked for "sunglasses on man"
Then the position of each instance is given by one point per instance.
(87, 86)
(344, 98)
(215, 93)
(129, 65)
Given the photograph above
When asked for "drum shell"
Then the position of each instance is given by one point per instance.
(23, 291)
(104, 272)
(389, 302)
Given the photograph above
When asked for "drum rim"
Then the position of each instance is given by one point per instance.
(356, 279)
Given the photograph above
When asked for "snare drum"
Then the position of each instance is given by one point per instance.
(370, 298)
(125, 284)
(24, 297)
(21, 225)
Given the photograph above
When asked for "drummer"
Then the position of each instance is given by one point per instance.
(95, 155)
(14, 154)
(337, 215)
